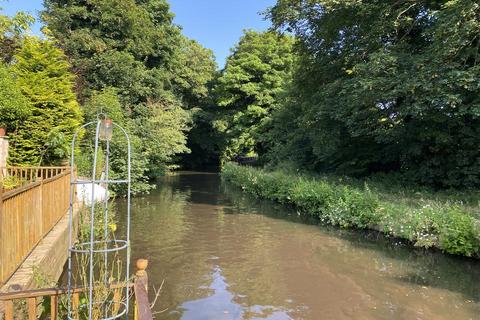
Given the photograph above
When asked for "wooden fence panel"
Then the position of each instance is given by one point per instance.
(29, 212)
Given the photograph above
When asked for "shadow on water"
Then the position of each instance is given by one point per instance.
(227, 255)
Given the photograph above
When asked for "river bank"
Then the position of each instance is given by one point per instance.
(440, 222)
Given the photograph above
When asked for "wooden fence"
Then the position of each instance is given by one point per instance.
(142, 307)
(15, 177)
(29, 211)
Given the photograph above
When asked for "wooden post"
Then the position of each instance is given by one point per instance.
(3, 269)
(142, 305)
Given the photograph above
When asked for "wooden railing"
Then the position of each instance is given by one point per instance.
(15, 177)
(142, 309)
(29, 212)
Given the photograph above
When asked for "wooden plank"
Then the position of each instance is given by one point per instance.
(9, 310)
(75, 305)
(9, 194)
(32, 308)
(53, 308)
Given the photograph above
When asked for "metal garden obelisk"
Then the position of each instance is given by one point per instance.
(97, 284)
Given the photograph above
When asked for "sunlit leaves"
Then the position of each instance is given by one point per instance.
(249, 88)
(383, 86)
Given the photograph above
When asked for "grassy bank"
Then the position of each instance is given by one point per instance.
(425, 219)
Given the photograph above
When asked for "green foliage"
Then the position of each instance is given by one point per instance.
(134, 48)
(194, 71)
(347, 203)
(459, 233)
(164, 125)
(13, 105)
(203, 140)
(99, 225)
(382, 86)
(107, 102)
(11, 182)
(12, 31)
(248, 90)
(340, 205)
(43, 76)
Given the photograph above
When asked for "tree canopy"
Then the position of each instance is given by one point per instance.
(383, 86)
(134, 48)
(348, 87)
(248, 89)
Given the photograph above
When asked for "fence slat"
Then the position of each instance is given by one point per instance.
(75, 305)
(53, 308)
(32, 308)
(9, 310)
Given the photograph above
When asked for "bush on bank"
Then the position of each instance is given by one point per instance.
(446, 226)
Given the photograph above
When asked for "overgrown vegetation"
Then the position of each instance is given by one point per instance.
(131, 56)
(110, 268)
(425, 222)
(123, 57)
(382, 86)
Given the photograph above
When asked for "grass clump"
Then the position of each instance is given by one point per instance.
(426, 222)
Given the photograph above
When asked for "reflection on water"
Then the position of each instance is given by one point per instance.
(224, 255)
(219, 304)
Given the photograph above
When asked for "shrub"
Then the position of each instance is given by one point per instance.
(43, 75)
(458, 233)
(338, 205)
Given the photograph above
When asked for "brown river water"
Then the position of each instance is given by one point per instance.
(224, 255)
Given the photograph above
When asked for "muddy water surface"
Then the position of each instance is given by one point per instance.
(223, 255)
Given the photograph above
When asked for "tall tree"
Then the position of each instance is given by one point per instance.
(44, 78)
(383, 86)
(249, 87)
(127, 44)
(195, 68)
(195, 75)
(133, 47)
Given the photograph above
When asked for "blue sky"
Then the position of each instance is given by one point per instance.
(216, 24)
